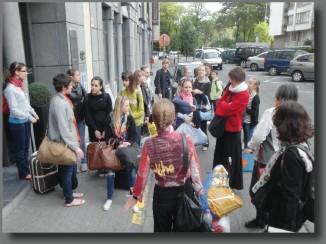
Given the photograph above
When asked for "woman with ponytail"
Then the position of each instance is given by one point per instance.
(163, 155)
(20, 117)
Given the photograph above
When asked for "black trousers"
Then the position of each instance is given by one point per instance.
(165, 203)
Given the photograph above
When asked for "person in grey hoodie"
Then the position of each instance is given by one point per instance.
(63, 128)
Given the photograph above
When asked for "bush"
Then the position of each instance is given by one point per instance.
(39, 94)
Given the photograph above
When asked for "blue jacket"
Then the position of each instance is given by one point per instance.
(183, 108)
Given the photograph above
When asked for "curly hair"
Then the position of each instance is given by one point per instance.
(163, 114)
(292, 123)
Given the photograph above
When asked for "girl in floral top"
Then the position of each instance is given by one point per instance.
(163, 154)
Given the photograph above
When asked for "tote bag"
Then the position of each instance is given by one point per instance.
(197, 135)
(129, 156)
(217, 125)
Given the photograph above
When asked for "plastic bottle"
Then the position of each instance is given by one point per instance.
(208, 218)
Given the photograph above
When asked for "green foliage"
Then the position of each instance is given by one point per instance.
(188, 38)
(308, 42)
(262, 30)
(39, 94)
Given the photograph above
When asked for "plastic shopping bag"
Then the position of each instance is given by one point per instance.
(197, 135)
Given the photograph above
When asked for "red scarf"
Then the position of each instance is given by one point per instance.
(186, 97)
(74, 121)
(17, 82)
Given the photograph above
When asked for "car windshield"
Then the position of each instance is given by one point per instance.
(212, 55)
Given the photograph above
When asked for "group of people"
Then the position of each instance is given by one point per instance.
(72, 108)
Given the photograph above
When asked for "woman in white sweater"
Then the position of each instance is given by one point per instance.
(21, 115)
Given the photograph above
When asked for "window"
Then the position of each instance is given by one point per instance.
(303, 59)
(303, 17)
(290, 19)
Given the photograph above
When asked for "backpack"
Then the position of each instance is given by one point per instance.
(307, 206)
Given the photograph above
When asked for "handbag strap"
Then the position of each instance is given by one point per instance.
(185, 158)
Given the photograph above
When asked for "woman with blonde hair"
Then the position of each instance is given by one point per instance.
(165, 152)
(119, 125)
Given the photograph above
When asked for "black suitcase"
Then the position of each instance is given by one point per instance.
(121, 179)
(44, 176)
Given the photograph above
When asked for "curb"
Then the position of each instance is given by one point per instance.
(16, 201)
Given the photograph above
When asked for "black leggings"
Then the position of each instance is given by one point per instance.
(165, 203)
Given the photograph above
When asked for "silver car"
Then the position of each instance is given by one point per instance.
(256, 62)
(302, 67)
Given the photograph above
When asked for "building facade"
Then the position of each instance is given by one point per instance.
(296, 25)
(97, 38)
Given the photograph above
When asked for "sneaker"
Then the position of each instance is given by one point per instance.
(107, 205)
(77, 168)
(254, 224)
(135, 209)
(84, 167)
(205, 148)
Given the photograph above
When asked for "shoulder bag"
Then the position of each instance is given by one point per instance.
(189, 213)
(52, 152)
(129, 156)
(94, 155)
(217, 125)
(208, 114)
(109, 158)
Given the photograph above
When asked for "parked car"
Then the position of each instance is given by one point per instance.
(211, 56)
(256, 62)
(278, 61)
(302, 67)
(243, 53)
(181, 67)
(228, 56)
(161, 55)
(198, 53)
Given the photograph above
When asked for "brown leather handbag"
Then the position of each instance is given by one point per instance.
(94, 155)
(109, 158)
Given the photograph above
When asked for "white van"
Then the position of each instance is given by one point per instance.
(213, 57)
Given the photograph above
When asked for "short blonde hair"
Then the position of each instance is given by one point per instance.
(165, 61)
(163, 114)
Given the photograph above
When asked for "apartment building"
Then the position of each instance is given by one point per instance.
(97, 38)
(295, 26)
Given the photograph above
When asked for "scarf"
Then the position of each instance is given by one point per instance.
(239, 88)
(121, 129)
(17, 82)
(267, 171)
(74, 120)
(186, 97)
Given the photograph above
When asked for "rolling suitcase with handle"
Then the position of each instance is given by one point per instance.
(44, 176)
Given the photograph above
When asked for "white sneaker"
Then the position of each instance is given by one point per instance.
(107, 205)
(84, 167)
(205, 148)
(135, 209)
(77, 168)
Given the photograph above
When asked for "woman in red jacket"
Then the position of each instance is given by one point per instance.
(228, 148)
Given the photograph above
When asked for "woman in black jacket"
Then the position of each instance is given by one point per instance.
(287, 175)
(121, 126)
(98, 105)
(77, 97)
(201, 91)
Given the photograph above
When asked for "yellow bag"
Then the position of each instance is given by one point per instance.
(222, 200)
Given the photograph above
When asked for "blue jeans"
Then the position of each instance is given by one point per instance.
(247, 134)
(21, 134)
(68, 180)
(81, 130)
(138, 134)
(110, 181)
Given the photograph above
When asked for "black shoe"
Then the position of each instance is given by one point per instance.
(254, 224)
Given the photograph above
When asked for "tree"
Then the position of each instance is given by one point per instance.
(262, 30)
(187, 37)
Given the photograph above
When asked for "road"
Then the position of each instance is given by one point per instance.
(47, 213)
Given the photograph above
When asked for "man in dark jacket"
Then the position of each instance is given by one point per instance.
(162, 80)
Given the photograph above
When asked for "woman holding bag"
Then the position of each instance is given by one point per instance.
(63, 128)
(231, 105)
(163, 155)
(121, 126)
